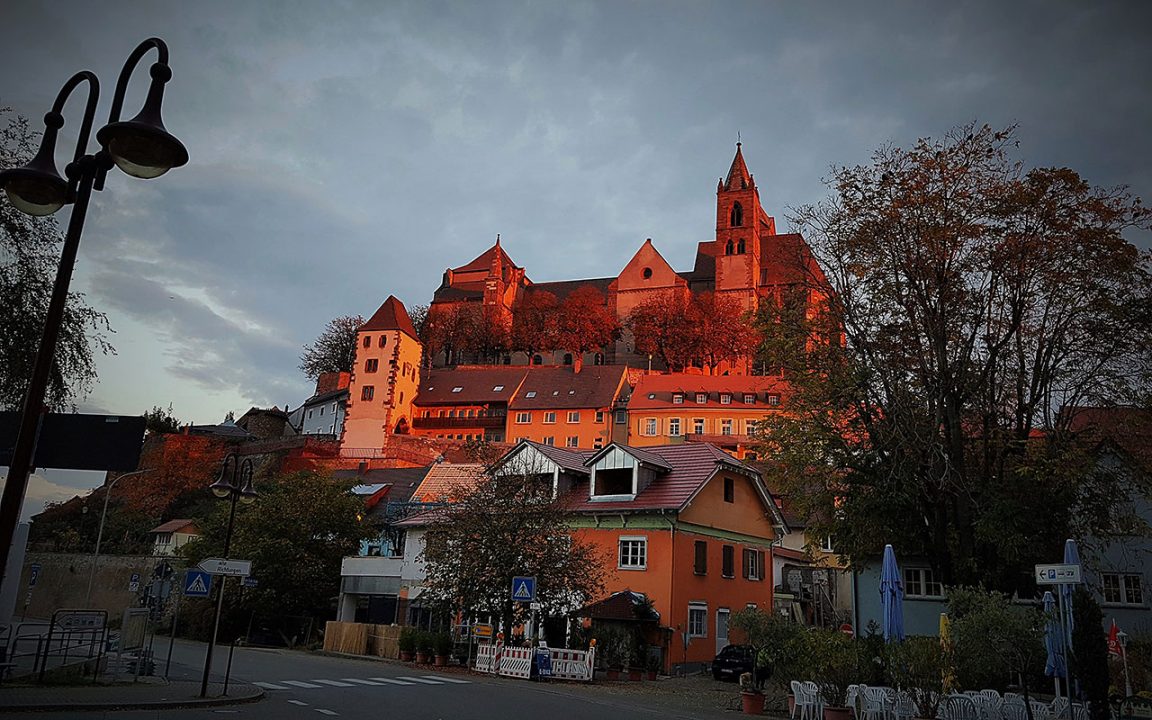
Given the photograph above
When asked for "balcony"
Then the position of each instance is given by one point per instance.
(376, 566)
(459, 423)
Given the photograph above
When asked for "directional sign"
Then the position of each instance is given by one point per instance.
(197, 583)
(249, 582)
(220, 566)
(1058, 574)
(79, 619)
(482, 630)
(33, 574)
(524, 589)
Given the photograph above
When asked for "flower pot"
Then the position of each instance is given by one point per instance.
(406, 655)
(753, 703)
(837, 713)
(634, 675)
(791, 705)
(651, 674)
(421, 657)
(612, 674)
(441, 661)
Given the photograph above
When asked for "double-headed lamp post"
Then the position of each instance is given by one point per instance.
(235, 487)
(142, 148)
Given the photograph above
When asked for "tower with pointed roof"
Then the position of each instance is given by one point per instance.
(384, 379)
(741, 223)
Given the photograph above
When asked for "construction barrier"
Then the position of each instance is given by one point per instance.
(517, 662)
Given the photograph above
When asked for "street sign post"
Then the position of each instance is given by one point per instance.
(1058, 574)
(33, 574)
(197, 583)
(220, 566)
(249, 582)
(134, 583)
(524, 589)
(482, 630)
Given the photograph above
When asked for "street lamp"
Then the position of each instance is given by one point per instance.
(141, 147)
(236, 487)
(100, 532)
(1123, 638)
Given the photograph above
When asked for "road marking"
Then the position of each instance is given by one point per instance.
(270, 686)
(441, 678)
(325, 712)
(334, 683)
(362, 682)
(299, 702)
(300, 683)
(421, 680)
(392, 681)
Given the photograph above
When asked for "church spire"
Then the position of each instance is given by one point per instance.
(738, 176)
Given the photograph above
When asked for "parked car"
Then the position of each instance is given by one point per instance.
(732, 661)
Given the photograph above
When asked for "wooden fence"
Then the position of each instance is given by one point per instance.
(362, 639)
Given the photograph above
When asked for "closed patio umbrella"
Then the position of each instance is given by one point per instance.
(1053, 642)
(892, 596)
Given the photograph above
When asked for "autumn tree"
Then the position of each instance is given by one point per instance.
(659, 329)
(722, 330)
(505, 525)
(334, 350)
(977, 299)
(29, 255)
(465, 332)
(585, 323)
(161, 420)
(534, 323)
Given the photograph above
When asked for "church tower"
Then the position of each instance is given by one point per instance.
(741, 223)
(385, 378)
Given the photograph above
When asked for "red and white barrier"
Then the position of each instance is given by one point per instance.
(517, 662)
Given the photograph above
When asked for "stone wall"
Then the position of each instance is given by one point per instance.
(63, 582)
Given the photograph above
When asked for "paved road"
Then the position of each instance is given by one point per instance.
(303, 685)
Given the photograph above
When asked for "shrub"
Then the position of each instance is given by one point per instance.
(918, 666)
(407, 640)
(442, 643)
(835, 664)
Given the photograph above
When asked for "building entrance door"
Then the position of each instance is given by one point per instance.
(721, 629)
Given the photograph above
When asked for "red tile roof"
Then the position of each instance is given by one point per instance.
(483, 261)
(391, 316)
(560, 388)
(656, 391)
(446, 480)
(174, 526)
(478, 385)
(571, 460)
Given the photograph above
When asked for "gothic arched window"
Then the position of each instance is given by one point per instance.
(737, 215)
(740, 247)
(728, 248)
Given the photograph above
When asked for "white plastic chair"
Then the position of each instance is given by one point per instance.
(807, 701)
(959, 707)
(797, 694)
(1040, 711)
(853, 696)
(816, 700)
(1013, 708)
(1059, 707)
(1079, 711)
(875, 705)
(987, 706)
(903, 709)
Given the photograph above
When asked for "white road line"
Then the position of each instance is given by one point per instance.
(325, 712)
(334, 683)
(299, 702)
(392, 681)
(362, 682)
(441, 678)
(421, 680)
(270, 686)
(300, 683)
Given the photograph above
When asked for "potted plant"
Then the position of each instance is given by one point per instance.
(423, 649)
(653, 666)
(918, 666)
(751, 698)
(442, 647)
(407, 643)
(781, 647)
(836, 665)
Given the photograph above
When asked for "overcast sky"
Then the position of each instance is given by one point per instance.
(343, 151)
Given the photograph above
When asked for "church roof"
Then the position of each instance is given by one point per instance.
(738, 175)
(563, 288)
(483, 261)
(391, 316)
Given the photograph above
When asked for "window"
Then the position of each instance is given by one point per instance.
(698, 426)
(737, 215)
(728, 248)
(371, 365)
(497, 388)
(773, 400)
(697, 620)
(567, 358)
(728, 567)
(826, 544)
(649, 427)
(749, 427)
(921, 582)
(725, 399)
(367, 341)
(753, 564)
(573, 416)
(621, 417)
(597, 444)
(457, 389)
(726, 426)
(599, 417)
(322, 410)
(749, 399)
(678, 399)
(523, 418)
(729, 490)
(633, 553)
(383, 341)
(549, 440)
(646, 273)
(1122, 588)
(572, 441)
(700, 561)
(530, 394)
(309, 413)
(701, 398)
(550, 418)
(740, 246)
(366, 393)
(673, 427)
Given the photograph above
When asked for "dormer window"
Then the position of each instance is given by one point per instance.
(773, 400)
(701, 398)
(725, 399)
(749, 398)
(457, 389)
(678, 399)
(530, 394)
(498, 388)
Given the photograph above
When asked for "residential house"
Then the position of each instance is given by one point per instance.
(559, 406)
(172, 535)
(465, 403)
(323, 413)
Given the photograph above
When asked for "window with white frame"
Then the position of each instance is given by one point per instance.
(701, 398)
(726, 426)
(697, 620)
(572, 441)
(773, 400)
(698, 426)
(523, 418)
(678, 399)
(573, 416)
(725, 399)
(549, 440)
(633, 553)
(749, 427)
(673, 427)
(753, 564)
(749, 398)
(550, 418)
(921, 582)
(649, 427)
(1122, 588)
(530, 394)
(599, 417)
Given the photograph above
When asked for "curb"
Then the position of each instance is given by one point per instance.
(139, 705)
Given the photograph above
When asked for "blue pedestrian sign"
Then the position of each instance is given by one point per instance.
(524, 589)
(197, 583)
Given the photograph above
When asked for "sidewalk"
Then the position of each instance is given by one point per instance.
(153, 694)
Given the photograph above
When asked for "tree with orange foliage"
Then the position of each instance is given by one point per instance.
(584, 323)
(659, 329)
(721, 330)
(534, 324)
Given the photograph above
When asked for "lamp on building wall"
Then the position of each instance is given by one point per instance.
(143, 148)
(234, 487)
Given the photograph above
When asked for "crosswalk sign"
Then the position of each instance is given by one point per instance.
(197, 583)
(524, 589)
